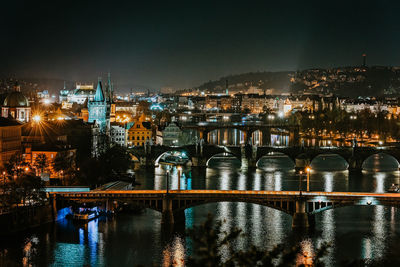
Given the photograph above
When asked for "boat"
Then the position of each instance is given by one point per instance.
(85, 216)
(394, 189)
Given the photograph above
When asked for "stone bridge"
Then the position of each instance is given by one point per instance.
(300, 205)
(199, 155)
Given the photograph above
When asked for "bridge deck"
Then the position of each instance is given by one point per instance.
(199, 193)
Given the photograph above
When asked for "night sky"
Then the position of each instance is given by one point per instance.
(183, 44)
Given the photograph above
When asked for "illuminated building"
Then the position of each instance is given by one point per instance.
(10, 139)
(99, 110)
(170, 136)
(16, 106)
(139, 132)
(118, 134)
(81, 93)
(51, 151)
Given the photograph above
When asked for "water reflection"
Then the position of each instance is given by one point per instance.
(353, 232)
(174, 253)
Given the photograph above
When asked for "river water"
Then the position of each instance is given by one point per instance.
(362, 232)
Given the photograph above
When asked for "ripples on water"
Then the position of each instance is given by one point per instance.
(354, 232)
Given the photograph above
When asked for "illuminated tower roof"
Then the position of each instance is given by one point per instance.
(99, 96)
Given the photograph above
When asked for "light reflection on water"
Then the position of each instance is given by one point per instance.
(353, 232)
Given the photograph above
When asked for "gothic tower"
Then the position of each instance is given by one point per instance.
(99, 109)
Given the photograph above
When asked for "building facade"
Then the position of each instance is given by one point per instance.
(118, 134)
(16, 106)
(10, 139)
(99, 110)
(139, 132)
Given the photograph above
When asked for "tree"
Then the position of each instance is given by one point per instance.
(16, 165)
(41, 162)
(64, 164)
(29, 189)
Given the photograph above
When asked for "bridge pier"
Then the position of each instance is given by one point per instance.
(199, 162)
(294, 137)
(300, 217)
(266, 137)
(167, 212)
(54, 207)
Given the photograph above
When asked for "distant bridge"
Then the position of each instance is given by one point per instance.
(300, 205)
(199, 157)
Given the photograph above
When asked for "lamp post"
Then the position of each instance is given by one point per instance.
(179, 177)
(167, 181)
(308, 170)
(300, 177)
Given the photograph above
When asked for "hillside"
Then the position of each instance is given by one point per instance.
(277, 81)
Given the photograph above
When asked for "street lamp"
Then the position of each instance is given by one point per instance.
(167, 181)
(36, 118)
(300, 177)
(179, 177)
(308, 170)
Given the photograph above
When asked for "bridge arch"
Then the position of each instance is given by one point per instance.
(226, 153)
(134, 157)
(181, 156)
(329, 162)
(336, 205)
(283, 157)
(381, 162)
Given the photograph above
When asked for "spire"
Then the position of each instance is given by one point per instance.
(99, 96)
(110, 88)
(65, 87)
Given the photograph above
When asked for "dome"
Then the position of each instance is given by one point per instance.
(329, 162)
(16, 99)
(380, 162)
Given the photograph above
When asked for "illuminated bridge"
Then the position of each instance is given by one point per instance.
(300, 205)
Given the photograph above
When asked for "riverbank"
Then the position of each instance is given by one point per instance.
(23, 218)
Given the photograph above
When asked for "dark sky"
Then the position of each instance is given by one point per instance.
(182, 44)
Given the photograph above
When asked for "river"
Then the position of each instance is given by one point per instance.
(367, 232)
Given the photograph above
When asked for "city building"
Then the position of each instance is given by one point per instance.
(81, 93)
(118, 134)
(16, 106)
(10, 139)
(139, 132)
(51, 152)
(169, 136)
(99, 110)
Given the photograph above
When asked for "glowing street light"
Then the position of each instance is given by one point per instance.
(36, 118)
(308, 170)
(179, 168)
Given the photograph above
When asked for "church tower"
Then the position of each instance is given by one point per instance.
(99, 109)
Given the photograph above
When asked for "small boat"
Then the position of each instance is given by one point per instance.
(394, 189)
(85, 217)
